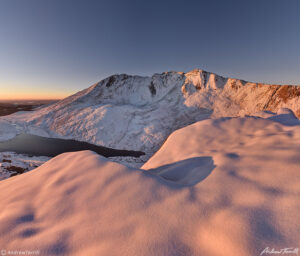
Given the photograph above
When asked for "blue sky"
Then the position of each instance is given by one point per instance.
(53, 48)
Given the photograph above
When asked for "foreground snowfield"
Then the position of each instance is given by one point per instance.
(228, 186)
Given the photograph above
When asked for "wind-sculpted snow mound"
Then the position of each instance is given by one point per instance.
(139, 113)
(220, 187)
(236, 139)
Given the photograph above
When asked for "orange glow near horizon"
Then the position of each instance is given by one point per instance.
(12, 97)
(30, 93)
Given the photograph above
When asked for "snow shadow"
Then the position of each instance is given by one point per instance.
(285, 117)
(187, 172)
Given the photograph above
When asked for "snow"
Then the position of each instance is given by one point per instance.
(224, 186)
(139, 113)
(10, 160)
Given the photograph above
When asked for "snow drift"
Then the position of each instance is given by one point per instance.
(228, 186)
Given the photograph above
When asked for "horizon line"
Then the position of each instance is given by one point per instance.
(30, 99)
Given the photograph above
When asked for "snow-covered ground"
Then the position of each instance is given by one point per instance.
(12, 164)
(225, 186)
(139, 113)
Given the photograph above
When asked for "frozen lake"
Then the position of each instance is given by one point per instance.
(51, 147)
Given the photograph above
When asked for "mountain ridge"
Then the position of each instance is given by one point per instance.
(139, 113)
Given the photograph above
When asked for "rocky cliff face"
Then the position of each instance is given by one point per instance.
(139, 113)
(234, 97)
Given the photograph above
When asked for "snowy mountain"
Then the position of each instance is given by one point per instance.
(139, 113)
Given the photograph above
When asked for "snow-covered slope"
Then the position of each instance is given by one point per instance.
(228, 186)
(12, 164)
(139, 113)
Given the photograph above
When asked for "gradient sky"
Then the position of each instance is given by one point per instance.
(53, 48)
